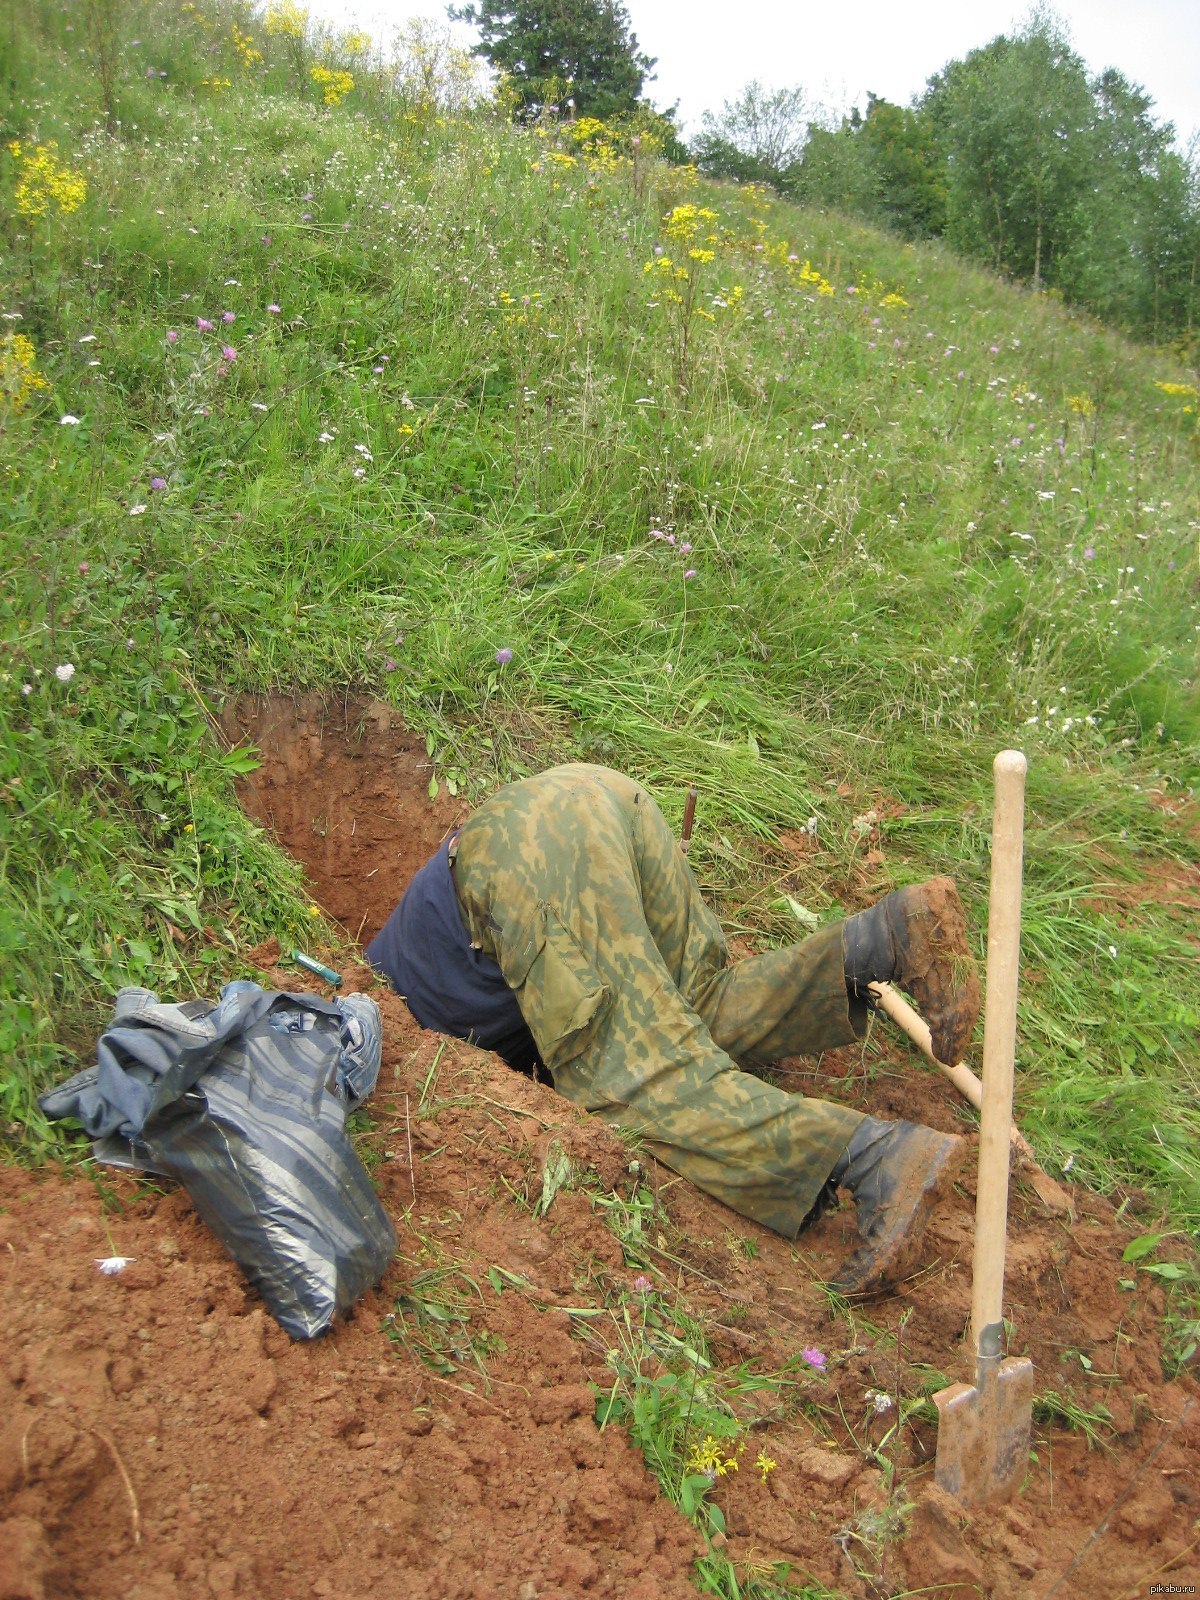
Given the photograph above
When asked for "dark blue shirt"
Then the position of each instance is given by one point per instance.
(425, 953)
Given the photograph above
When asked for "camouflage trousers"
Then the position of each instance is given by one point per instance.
(574, 883)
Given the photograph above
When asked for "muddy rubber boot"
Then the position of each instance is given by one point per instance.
(916, 938)
(895, 1172)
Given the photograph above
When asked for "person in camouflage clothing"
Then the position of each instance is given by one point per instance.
(563, 926)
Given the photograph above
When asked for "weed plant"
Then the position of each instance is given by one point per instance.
(316, 383)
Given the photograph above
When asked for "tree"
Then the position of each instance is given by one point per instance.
(558, 50)
(908, 166)
(757, 138)
(1015, 120)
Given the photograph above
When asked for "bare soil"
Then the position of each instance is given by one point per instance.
(161, 1439)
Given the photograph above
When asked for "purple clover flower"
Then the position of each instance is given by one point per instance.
(228, 353)
(503, 656)
(814, 1357)
(228, 316)
(204, 325)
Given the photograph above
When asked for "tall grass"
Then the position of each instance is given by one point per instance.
(874, 517)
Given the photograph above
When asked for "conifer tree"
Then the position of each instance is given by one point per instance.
(553, 51)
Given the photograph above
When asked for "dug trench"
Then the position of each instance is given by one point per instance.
(160, 1437)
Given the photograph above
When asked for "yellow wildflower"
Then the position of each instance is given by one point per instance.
(1080, 404)
(286, 18)
(709, 1458)
(1187, 391)
(335, 83)
(42, 181)
(894, 302)
(19, 376)
(765, 1465)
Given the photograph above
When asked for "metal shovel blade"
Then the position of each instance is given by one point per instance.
(983, 1432)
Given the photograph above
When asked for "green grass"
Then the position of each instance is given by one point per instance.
(919, 534)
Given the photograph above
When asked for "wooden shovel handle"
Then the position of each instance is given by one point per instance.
(1052, 1194)
(999, 1049)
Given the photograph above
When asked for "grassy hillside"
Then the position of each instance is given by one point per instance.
(566, 456)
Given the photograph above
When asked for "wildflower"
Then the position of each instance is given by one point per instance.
(204, 325)
(685, 548)
(111, 1265)
(690, 573)
(765, 1464)
(158, 483)
(68, 421)
(325, 438)
(19, 376)
(880, 1401)
(274, 309)
(64, 672)
(708, 1458)
(228, 316)
(136, 511)
(228, 353)
(642, 1284)
(172, 336)
(810, 1353)
(84, 568)
(1089, 553)
(503, 656)
(389, 664)
(361, 449)
(26, 688)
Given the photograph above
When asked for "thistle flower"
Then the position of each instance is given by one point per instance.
(204, 325)
(228, 317)
(228, 353)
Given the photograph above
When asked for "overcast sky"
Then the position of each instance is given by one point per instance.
(707, 52)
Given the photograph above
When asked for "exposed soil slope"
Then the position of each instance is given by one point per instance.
(160, 1437)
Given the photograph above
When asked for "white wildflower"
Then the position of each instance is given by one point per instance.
(111, 1265)
(65, 671)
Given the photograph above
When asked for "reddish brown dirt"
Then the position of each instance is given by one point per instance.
(159, 1437)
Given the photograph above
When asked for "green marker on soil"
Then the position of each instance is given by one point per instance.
(310, 965)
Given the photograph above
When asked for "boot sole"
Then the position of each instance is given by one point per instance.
(924, 1183)
(936, 968)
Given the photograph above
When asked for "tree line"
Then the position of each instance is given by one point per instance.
(1016, 156)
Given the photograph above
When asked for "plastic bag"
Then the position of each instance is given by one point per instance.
(245, 1104)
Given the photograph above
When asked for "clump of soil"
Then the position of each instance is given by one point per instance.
(160, 1437)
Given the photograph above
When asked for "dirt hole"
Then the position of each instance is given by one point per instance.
(344, 787)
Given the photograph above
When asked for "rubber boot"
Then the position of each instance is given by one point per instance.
(895, 1171)
(916, 938)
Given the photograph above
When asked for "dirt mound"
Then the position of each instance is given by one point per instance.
(160, 1437)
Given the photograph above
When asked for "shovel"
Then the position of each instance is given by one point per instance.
(983, 1428)
(1052, 1195)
